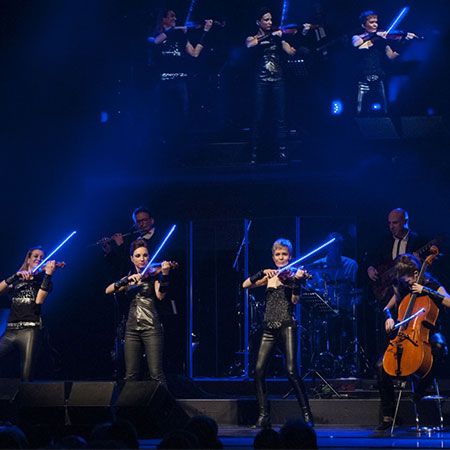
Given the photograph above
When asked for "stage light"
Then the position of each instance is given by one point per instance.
(376, 107)
(431, 111)
(337, 107)
(104, 116)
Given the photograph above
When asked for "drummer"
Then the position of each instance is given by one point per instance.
(334, 276)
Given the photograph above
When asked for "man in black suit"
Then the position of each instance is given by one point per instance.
(402, 240)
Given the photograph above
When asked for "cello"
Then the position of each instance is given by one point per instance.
(409, 353)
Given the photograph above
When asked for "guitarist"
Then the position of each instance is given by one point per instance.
(401, 240)
(407, 268)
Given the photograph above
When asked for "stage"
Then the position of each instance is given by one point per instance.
(337, 438)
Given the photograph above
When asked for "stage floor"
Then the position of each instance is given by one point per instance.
(338, 437)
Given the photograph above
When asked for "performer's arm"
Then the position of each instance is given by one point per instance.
(389, 321)
(195, 51)
(391, 54)
(162, 285)
(46, 285)
(440, 296)
(122, 284)
(258, 279)
(291, 51)
(8, 282)
(253, 41)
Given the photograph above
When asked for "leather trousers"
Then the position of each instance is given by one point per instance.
(288, 336)
(136, 343)
(26, 341)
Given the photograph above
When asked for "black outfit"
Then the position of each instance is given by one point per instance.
(24, 323)
(170, 61)
(388, 250)
(279, 323)
(371, 77)
(144, 331)
(439, 351)
(384, 250)
(269, 91)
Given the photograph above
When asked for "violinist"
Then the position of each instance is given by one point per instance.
(407, 269)
(282, 293)
(372, 47)
(28, 292)
(170, 50)
(144, 331)
(269, 47)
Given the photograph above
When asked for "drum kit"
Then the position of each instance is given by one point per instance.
(329, 325)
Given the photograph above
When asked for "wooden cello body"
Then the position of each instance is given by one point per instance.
(409, 353)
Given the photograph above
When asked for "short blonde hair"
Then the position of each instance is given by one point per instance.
(281, 242)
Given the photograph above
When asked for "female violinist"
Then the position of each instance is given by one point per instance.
(371, 46)
(144, 331)
(282, 293)
(407, 268)
(28, 292)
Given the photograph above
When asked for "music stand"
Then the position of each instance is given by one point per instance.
(315, 302)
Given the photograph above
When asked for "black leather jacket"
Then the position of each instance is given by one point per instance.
(143, 314)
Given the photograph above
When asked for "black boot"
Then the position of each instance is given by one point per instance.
(307, 416)
(263, 420)
(302, 398)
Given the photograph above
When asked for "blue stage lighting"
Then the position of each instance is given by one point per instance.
(104, 116)
(376, 106)
(431, 111)
(337, 107)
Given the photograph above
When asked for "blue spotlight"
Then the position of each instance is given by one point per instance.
(312, 252)
(431, 111)
(376, 106)
(337, 107)
(53, 252)
(158, 250)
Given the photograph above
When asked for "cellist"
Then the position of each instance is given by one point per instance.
(407, 268)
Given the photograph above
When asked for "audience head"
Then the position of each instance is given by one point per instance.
(295, 433)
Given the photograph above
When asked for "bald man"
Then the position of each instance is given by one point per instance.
(400, 241)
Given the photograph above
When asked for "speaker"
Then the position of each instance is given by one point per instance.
(41, 412)
(150, 407)
(377, 128)
(9, 387)
(90, 403)
(422, 127)
(42, 402)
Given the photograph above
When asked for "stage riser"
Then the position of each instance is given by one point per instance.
(349, 412)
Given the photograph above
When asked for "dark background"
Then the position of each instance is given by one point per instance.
(63, 63)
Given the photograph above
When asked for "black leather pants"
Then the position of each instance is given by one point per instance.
(149, 341)
(288, 335)
(26, 341)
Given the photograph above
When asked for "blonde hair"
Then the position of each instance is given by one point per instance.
(24, 265)
(281, 242)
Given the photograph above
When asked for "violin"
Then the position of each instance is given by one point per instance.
(156, 268)
(294, 28)
(409, 352)
(288, 274)
(58, 264)
(394, 35)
